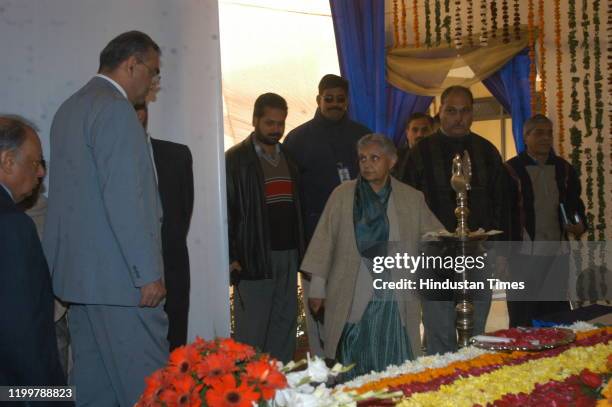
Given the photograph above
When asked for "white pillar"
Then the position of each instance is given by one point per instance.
(50, 49)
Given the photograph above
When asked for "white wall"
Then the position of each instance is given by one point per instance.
(50, 49)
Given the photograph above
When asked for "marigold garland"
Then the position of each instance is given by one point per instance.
(470, 22)
(599, 108)
(415, 12)
(542, 52)
(458, 34)
(559, 62)
(532, 58)
(587, 115)
(438, 21)
(447, 22)
(481, 361)
(483, 24)
(517, 20)
(403, 25)
(396, 38)
(505, 27)
(427, 24)
(523, 378)
(494, 18)
(575, 132)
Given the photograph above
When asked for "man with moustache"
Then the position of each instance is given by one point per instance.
(325, 151)
(264, 233)
(102, 234)
(428, 169)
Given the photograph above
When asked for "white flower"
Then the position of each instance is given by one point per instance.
(317, 370)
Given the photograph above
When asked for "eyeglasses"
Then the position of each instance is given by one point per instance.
(153, 72)
(330, 99)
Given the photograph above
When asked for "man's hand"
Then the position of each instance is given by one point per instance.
(315, 304)
(575, 229)
(151, 294)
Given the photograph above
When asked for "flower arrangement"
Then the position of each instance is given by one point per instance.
(213, 373)
(438, 20)
(532, 57)
(494, 18)
(474, 376)
(396, 38)
(404, 29)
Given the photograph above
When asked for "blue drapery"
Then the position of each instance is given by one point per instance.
(510, 86)
(359, 26)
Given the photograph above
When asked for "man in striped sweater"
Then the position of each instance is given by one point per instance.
(265, 233)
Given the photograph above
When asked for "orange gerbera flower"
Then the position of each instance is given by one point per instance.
(215, 365)
(237, 351)
(225, 393)
(183, 360)
(203, 346)
(154, 385)
(266, 377)
(183, 391)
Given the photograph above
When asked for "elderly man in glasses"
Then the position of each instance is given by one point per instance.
(324, 150)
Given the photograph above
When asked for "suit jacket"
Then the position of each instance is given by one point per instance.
(102, 233)
(175, 182)
(28, 347)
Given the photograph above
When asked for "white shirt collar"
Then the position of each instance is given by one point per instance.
(8, 191)
(115, 84)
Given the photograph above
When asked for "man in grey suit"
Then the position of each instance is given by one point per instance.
(102, 235)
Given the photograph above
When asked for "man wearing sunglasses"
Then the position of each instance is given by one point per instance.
(325, 151)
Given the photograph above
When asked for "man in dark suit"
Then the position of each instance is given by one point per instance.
(173, 165)
(28, 348)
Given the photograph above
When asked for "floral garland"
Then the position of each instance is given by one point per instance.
(581, 388)
(404, 29)
(575, 132)
(415, 12)
(438, 20)
(522, 378)
(559, 62)
(494, 18)
(506, 27)
(458, 34)
(428, 369)
(483, 24)
(447, 22)
(542, 52)
(427, 24)
(517, 20)
(599, 110)
(396, 37)
(470, 22)
(587, 115)
(532, 58)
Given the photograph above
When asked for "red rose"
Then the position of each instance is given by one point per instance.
(592, 380)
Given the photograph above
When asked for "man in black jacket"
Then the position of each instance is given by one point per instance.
(428, 168)
(265, 232)
(544, 183)
(173, 166)
(325, 151)
(28, 347)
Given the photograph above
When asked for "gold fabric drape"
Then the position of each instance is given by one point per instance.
(424, 71)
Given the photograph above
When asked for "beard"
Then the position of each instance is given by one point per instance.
(268, 139)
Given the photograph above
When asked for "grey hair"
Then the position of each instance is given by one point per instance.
(383, 141)
(13, 131)
(533, 121)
